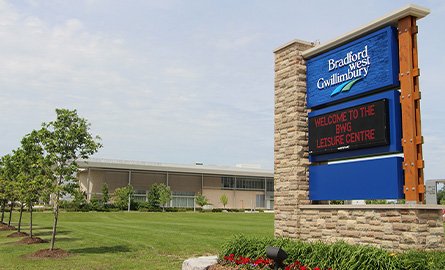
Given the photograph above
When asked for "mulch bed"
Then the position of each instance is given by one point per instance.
(18, 234)
(6, 227)
(32, 240)
(221, 267)
(56, 253)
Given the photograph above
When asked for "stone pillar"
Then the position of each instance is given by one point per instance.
(291, 132)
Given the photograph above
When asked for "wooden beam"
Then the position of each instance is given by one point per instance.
(412, 140)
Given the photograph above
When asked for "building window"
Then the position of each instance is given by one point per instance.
(260, 198)
(183, 199)
(250, 183)
(228, 182)
(269, 184)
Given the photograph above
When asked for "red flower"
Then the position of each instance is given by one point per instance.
(230, 258)
(242, 260)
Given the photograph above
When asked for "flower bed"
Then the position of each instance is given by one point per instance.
(243, 252)
(241, 262)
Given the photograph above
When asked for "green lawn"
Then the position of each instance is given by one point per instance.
(134, 240)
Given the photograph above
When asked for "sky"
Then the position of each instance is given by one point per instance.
(177, 81)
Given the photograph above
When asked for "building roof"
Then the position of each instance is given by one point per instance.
(174, 168)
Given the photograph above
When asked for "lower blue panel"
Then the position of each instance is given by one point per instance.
(359, 180)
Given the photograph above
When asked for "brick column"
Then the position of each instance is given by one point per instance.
(291, 132)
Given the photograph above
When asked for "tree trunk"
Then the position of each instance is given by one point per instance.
(20, 218)
(129, 202)
(56, 217)
(10, 213)
(3, 211)
(30, 219)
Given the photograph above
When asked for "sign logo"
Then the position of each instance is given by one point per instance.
(357, 65)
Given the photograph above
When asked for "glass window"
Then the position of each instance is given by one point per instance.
(228, 182)
(250, 183)
(260, 198)
(183, 199)
(269, 184)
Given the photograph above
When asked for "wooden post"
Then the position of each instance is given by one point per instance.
(412, 139)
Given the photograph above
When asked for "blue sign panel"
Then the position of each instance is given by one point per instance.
(367, 64)
(360, 180)
(363, 127)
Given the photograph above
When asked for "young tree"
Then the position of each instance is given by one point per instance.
(201, 200)
(35, 177)
(159, 195)
(224, 200)
(105, 194)
(3, 195)
(9, 171)
(3, 192)
(123, 196)
(66, 140)
(20, 181)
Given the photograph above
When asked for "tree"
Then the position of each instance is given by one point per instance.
(441, 196)
(224, 200)
(201, 200)
(33, 174)
(159, 195)
(9, 171)
(123, 197)
(64, 141)
(4, 196)
(105, 194)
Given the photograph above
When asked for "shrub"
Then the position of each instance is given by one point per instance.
(121, 196)
(224, 200)
(159, 195)
(337, 255)
(201, 200)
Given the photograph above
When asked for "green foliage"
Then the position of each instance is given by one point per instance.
(64, 141)
(337, 255)
(79, 201)
(105, 194)
(224, 200)
(147, 207)
(376, 202)
(201, 200)
(34, 179)
(122, 195)
(159, 195)
(421, 260)
(441, 196)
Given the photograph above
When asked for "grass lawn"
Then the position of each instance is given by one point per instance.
(135, 240)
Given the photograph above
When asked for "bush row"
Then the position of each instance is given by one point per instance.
(98, 205)
(337, 255)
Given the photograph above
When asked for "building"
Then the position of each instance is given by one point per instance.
(246, 188)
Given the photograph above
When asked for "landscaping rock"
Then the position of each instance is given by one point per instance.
(200, 263)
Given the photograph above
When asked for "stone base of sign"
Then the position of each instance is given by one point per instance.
(395, 227)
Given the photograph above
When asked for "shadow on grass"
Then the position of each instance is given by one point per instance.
(45, 233)
(66, 239)
(101, 250)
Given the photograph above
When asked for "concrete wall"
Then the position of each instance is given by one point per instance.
(236, 198)
(400, 228)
